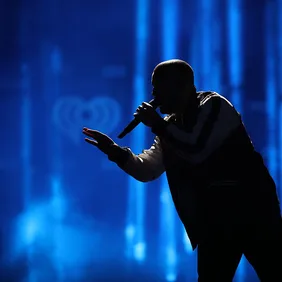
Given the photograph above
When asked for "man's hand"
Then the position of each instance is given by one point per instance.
(147, 115)
(99, 139)
(106, 145)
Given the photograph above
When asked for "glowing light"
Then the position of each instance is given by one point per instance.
(31, 230)
(279, 37)
(139, 251)
(235, 52)
(136, 197)
(171, 277)
(26, 134)
(130, 232)
(186, 242)
(271, 90)
(169, 51)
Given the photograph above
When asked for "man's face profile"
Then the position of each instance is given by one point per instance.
(170, 94)
(173, 83)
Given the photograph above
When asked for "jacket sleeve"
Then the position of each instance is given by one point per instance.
(146, 166)
(216, 121)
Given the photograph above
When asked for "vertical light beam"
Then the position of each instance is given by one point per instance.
(279, 38)
(56, 179)
(51, 64)
(235, 52)
(206, 43)
(271, 89)
(26, 134)
(26, 127)
(167, 212)
(136, 201)
(26, 149)
(216, 42)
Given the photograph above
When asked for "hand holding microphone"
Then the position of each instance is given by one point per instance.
(146, 114)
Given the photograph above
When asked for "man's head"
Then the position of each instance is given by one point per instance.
(173, 86)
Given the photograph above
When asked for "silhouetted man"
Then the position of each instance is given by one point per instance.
(222, 191)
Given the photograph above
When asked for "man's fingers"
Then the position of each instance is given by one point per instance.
(140, 109)
(104, 149)
(137, 114)
(101, 139)
(89, 134)
(101, 147)
(95, 134)
(92, 142)
(146, 105)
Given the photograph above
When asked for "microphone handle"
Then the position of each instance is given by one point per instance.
(128, 128)
(135, 122)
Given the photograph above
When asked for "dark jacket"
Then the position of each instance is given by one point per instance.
(206, 147)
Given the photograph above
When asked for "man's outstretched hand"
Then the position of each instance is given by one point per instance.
(105, 144)
(98, 139)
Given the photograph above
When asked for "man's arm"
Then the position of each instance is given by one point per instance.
(216, 121)
(143, 167)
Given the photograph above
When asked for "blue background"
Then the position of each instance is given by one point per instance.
(66, 212)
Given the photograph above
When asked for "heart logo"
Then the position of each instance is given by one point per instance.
(71, 114)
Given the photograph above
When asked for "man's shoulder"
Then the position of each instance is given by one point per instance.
(210, 96)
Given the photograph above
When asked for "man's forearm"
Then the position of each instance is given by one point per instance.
(139, 167)
(119, 155)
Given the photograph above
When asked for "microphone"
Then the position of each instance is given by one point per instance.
(135, 122)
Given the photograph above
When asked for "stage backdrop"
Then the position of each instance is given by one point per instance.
(67, 214)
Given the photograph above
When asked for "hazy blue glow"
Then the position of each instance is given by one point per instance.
(26, 134)
(32, 225)
(167, 210)
(64, 210)
(271, 89)
(170, 29)
(235, 52)
(206, 43)
(216, 62)
(136, 245)
(279, 37)
(186, 242)
(68, 242)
